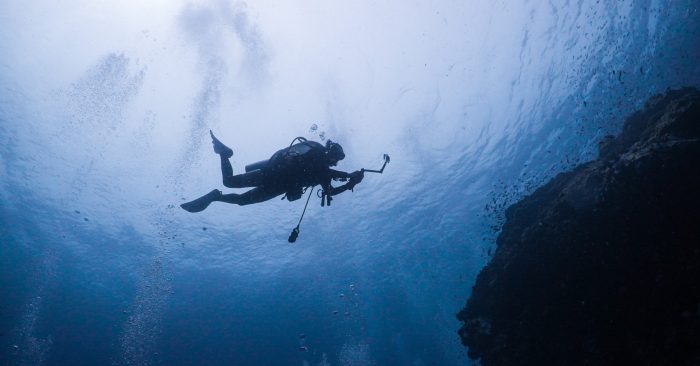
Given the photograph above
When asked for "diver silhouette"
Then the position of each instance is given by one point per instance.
(289, 171)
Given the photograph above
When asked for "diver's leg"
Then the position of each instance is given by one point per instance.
(224, 153)
(220, 148)
(201, 203)
(226, 169)
(252, 179)
(255, 195)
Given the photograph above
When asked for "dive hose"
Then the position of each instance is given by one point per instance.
(295, 232)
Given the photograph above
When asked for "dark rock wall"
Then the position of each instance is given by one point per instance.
(601, 265)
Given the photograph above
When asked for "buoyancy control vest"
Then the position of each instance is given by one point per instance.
(298, 155)
(294, 162)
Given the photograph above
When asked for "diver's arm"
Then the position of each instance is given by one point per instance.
(355, 178)
(338, 174)
(338, 190)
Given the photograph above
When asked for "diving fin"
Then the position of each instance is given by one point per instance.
(202, 202)
(219, 147)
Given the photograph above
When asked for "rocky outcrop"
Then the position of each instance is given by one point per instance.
(601, 266)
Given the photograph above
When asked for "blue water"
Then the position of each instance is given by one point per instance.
(104, 118)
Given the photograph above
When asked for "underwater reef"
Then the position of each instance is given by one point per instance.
(601, 265)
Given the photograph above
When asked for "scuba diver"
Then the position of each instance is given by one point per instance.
(289, 171)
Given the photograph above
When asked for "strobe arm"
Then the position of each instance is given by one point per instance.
(380, 171)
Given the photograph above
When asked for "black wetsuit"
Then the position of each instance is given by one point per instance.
(288, 172)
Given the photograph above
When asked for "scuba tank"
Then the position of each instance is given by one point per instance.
(257, 165)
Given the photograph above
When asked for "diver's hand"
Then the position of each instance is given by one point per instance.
(355, 178)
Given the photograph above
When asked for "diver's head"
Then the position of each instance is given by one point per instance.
(334, 153)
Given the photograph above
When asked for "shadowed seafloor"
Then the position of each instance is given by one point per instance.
(601, 265)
